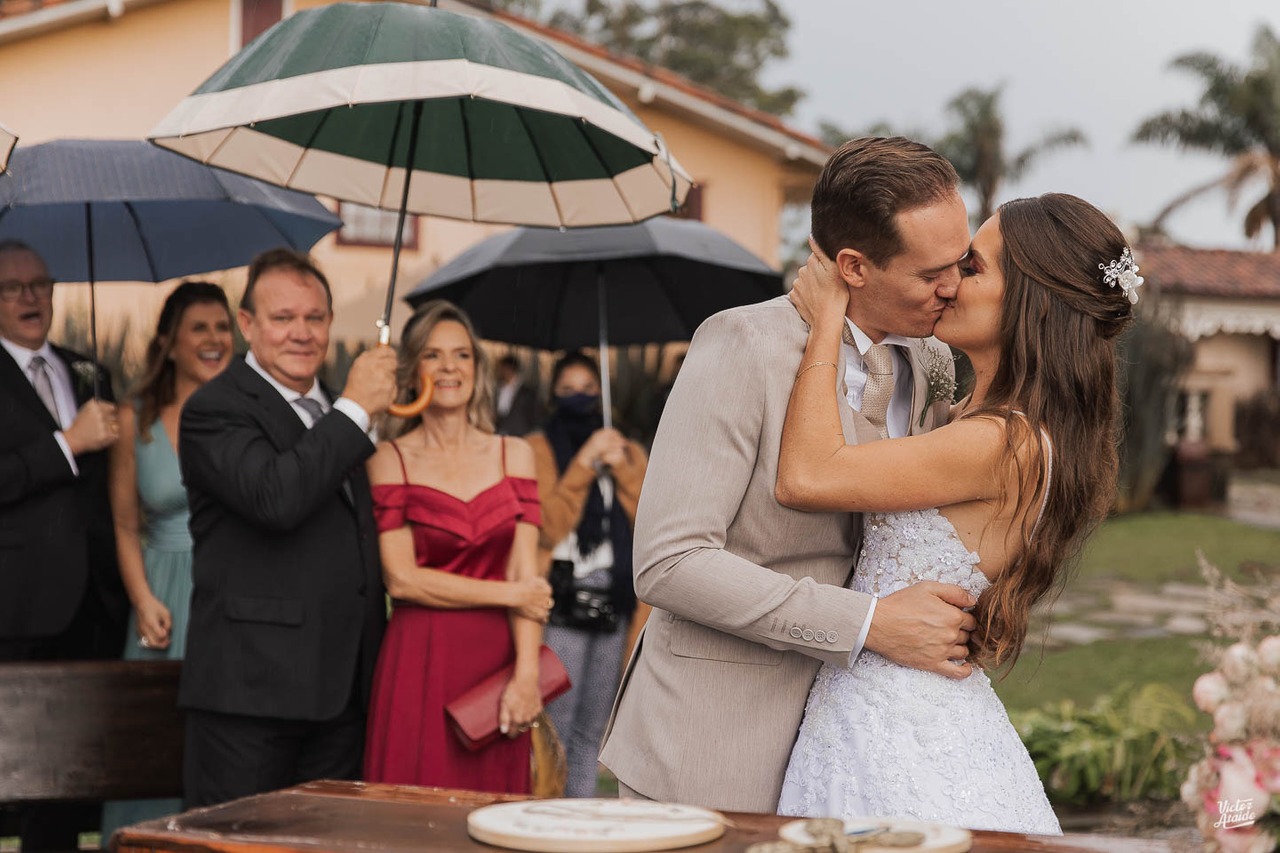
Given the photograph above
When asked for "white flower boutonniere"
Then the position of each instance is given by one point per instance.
(84, 371)
(939, 372)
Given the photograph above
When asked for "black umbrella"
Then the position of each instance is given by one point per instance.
(652, 282)
(125, 210)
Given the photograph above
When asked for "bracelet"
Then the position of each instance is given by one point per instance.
(816, 364)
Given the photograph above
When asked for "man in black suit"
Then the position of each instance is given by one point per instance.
(517, 407)
(61, 597)
(288, 608)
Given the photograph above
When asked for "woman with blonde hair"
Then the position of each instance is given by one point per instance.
(458, 516)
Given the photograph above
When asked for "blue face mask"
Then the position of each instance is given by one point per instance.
(578, 405)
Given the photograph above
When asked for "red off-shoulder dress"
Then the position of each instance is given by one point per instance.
(431, 656)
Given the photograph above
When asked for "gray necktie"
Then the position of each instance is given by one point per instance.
(311, 407)
(43, 383)
(316, 411)
(879, 388)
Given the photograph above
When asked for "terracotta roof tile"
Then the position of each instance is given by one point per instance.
(1211, 272)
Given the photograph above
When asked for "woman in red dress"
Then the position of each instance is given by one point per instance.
(458, 516)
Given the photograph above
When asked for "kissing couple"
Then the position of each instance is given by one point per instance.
(835, 553)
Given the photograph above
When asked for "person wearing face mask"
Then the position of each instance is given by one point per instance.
(192, 344)
(589, 479)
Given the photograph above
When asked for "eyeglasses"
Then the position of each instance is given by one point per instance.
(11, 291)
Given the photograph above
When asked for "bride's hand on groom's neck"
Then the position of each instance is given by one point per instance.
(924, 627)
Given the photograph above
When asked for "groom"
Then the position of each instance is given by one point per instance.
(749, 596)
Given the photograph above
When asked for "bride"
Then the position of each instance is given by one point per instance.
(997, 501)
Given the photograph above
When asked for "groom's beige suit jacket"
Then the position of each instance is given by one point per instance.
(748, 596)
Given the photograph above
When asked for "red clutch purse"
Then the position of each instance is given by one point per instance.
(474, 714)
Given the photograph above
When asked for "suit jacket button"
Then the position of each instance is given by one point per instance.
(820, 636)
(808, 635)
(796, 632)
(832, 636)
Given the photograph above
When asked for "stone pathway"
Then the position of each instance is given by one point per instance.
(1101, 609)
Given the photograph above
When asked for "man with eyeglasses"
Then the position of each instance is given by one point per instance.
(61, 597)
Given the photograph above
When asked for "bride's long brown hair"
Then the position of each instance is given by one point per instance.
(1057, 366)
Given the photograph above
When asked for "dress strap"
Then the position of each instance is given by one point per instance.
(503, 439)
(1048, 477)
(404, 472)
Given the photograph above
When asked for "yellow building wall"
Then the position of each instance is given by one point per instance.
(119, 78)
(1231, 368)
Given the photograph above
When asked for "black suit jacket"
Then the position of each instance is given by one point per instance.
(288, 609)
(526, 414)
(57, 541)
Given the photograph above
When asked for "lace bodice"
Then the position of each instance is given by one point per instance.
(903, 548)
(882, 740)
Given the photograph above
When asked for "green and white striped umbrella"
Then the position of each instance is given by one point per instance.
(502, 128)
(7, 140)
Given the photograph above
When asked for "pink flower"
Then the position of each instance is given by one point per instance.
(1269, 654)
(1266, 760)
(1241, 799)
(1210, 691)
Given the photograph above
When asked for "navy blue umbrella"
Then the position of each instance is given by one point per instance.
(125, 210)
(651, 282)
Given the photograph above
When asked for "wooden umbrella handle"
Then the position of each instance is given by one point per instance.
(418, 406)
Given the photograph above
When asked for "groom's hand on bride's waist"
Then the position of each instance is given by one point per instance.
(924, 627)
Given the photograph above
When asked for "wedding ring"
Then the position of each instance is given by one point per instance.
(144, 643)
(534, 724)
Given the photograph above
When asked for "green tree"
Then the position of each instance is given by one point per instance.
(1238, 116)
(976, 146)
(722, 49)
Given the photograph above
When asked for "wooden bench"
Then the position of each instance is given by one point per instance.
(90, 730)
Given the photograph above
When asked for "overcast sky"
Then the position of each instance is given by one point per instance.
(1100, 65)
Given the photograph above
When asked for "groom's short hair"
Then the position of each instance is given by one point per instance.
(865, 184)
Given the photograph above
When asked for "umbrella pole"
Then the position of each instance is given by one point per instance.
(384, 324)
(606, 392)
(405, 410)
(93, 299)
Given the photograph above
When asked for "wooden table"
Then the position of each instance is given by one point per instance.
(350, 817)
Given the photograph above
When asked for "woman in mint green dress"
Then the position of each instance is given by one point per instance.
(192, 344)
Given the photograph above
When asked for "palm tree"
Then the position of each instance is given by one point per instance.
(1238, 116)
(976, 146)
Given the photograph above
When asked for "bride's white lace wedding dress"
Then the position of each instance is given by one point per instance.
(879, 739)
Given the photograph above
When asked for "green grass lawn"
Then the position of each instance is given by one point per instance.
(1158, 547)
(1083, 673)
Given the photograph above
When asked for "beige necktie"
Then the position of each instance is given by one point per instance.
(41, 381)
(879, 388)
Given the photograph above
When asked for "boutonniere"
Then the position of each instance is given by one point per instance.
(84, 371)
(939, 372)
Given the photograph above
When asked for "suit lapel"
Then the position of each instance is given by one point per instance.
(81, 390)
(12, 377)
(282, 424)
(348, 493)
(919, 389)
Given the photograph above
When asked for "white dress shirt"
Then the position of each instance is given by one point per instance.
(63, 391)
(507, 396)
(898, 418)
(348, 407)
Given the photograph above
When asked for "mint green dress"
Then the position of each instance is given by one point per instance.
(166, 556)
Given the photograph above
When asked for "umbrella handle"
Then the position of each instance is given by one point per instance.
(418, 406)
